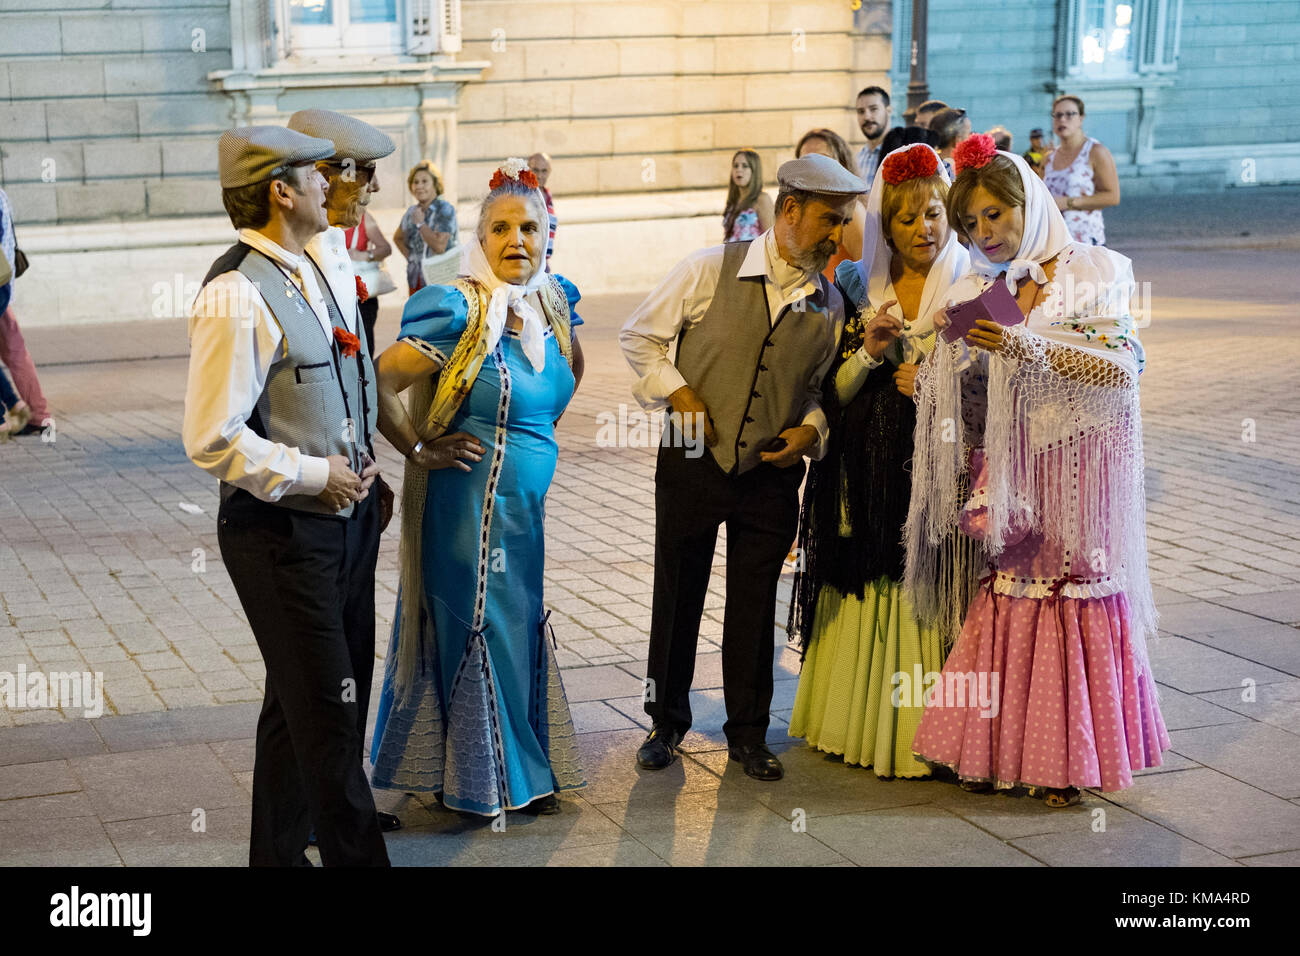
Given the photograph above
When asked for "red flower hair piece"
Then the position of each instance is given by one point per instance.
(362, 292)
(974, 151)
(349, 344)
(916, 162)
(525, 176)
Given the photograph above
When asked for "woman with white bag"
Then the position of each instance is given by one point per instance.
(427, 233)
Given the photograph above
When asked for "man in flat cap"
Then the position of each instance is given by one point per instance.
(352, 177)
(281, 407)
(756, 326)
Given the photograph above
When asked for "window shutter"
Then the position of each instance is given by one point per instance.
(449, 42)
(1068, 16)
(432, 26)
(1160, 27)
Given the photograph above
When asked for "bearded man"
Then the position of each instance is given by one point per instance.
(756, 326)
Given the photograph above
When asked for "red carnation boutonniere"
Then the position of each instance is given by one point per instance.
(362, 292)
(973, 152)
(916, 162)
(349, 344)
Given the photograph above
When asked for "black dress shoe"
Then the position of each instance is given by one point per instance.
(759, 762)
(659, 749)
(543, 806)
(388, 822)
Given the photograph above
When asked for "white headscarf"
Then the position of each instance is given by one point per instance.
(506, 297)
(951, 263)
(1044, 236)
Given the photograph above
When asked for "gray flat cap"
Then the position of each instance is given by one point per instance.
(353, 139)
(254, 154)
(820, 174)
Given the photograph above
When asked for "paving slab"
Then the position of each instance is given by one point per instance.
(533, 840)
(70, 842)
(1181, 710)
(1277, 704)
(172, 840)
(1265, 642)
(1279, 605)
(40, 742)
(181, 726)
(718, 828)
(818, 784)
(149, 783)
(599, 683)
(1111, 836)
(1211, 808)
(37, 779)
(914, 836)
(1193, 667)
(628, 851)
(1259, 754)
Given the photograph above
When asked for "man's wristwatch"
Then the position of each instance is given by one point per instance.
(415, 449)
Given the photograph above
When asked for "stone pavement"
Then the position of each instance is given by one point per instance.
(108, 563)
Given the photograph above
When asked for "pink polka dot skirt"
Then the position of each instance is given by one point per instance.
(1070, 708)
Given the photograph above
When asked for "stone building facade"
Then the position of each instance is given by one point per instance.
(110, 109)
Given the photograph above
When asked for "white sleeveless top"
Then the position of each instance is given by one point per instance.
(1086, 226)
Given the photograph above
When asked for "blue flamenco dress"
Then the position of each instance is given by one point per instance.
(487, 723)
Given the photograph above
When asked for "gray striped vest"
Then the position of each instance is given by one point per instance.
(751, 372)
(314, 400)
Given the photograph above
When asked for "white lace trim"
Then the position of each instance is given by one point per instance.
(1023, 586)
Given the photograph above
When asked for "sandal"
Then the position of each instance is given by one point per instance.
(976, 786)
(1059, 799)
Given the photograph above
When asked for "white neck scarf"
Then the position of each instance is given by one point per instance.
(1045, 233)
(506, 298)
(949, 265)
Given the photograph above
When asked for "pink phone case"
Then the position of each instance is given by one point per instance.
(996, 303)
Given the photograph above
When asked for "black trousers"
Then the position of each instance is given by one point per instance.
(307, 584)
(760, 508)
(369, 313)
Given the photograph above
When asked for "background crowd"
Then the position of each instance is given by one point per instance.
(1079, 171)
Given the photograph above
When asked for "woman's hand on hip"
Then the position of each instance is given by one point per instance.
(450, 451)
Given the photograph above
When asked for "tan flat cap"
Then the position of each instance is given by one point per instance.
(352, 138)
(816, 173)
(255, 154)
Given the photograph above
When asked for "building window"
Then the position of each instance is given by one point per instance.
(1103, 39)
(332, 27)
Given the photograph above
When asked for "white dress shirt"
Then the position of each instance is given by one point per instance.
(683, 298)
(234, 339)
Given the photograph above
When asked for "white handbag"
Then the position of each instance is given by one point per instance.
(372, 273)
(441, 268)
